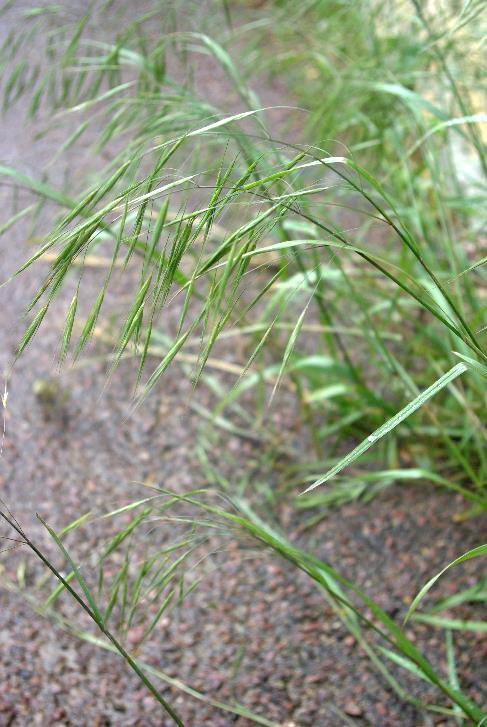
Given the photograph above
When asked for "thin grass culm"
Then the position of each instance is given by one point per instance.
(89, 606)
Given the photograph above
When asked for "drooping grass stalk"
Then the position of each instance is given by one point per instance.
(89, 608)
(332, 583)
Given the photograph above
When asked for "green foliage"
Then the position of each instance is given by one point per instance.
(349, 262)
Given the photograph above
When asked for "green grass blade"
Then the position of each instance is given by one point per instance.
(382, 431)
(474, 553)
(77, 573)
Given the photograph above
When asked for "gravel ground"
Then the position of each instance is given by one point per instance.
(254, 631)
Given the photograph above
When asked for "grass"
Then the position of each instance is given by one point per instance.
(343, 246)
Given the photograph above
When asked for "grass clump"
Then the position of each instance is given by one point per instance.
(342, 246)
